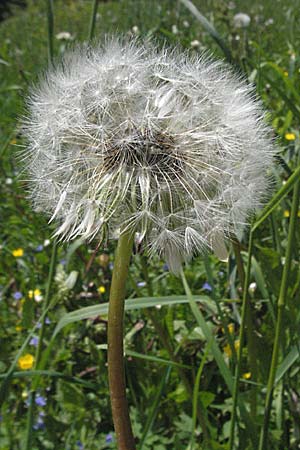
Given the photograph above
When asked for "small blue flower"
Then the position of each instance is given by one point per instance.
(63, 262)
(80, 445)
(47, 321)
(141, 284)
(166, 267)
(109, 438)
(17, 295)
(34, 341)
(207, 286)
(40, 400)
(39, 248)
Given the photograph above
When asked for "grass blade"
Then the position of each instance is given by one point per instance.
(209, 28)
(130, 304)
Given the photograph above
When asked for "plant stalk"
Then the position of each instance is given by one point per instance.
(50, 23)
(116, 370)
(240, 350)
(93, 20)
(263, 444)
(39, 349)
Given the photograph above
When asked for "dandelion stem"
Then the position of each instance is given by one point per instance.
(116, 372)
(39, 349)
(241, 339)
(263, 444)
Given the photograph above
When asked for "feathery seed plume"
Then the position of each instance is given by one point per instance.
(168, 145)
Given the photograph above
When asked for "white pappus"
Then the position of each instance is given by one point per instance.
(171, 146)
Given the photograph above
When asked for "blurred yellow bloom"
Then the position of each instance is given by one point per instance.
(230, 328)
(227, 348)
(286, 213)
(34, 294)
(286, 74)
(246, 375)
(18, 252)
(290, 136)
(26, 362)
(18, 328)
(101, 289)
(13, 141)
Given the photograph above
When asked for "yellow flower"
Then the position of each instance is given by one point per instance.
(246, 375)
(227, 348)
(230, 327)
(18, 252)
(36, 294)
(13, 142)
(101, 289)
(18, 328)
(26, 362)
(286, 74)
(290, 136)
(286, 213)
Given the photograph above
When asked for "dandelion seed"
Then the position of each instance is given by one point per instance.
(156, 142)
(241, 20)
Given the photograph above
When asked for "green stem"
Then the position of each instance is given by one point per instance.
(215, 298)
(241, 339)
(50, 22)
(280, 308)
(39, 349)
(93, 20)
(116, 371)
(252, 343)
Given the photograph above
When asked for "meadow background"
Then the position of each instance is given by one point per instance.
(168, 340)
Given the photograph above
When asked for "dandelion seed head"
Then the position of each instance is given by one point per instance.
(170, 146)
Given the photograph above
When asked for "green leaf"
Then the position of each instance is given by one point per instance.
(287, 363)
(130, 304)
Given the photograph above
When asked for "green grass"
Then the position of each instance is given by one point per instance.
(72, 376)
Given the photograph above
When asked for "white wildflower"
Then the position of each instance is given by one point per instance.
(174, 29)
(241, 20)
(64, 36)
(135, 29)
(125, 136)
(195, 43)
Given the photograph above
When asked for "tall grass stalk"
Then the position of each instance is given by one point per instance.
(50, 24)
(46, 302)
(282, 300)
(235, 392)
(93, 20)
